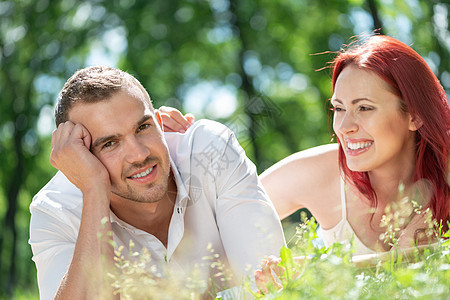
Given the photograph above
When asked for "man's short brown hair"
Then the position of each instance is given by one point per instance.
(91, 85)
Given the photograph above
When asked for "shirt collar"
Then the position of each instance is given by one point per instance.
(182, 194)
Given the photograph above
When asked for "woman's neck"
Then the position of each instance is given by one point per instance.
(386, 181)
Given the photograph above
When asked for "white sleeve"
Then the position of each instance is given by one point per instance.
(53, 243)
(248, 223)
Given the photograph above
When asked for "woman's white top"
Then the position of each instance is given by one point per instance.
(343, 232)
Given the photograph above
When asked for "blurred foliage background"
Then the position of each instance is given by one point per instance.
(251, 64)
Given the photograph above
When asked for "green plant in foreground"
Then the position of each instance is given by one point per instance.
(136, 277)
(324, 273)
(329, 273)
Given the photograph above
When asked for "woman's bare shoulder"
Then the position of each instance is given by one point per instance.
(303, 179)
(324, 157)
(329, 151)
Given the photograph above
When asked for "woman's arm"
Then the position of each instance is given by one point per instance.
(308, 178)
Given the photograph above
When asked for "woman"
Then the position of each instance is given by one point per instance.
(391, 118)
(392, 122)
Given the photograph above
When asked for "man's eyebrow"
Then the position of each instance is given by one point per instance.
(144, 119)
(354, 101)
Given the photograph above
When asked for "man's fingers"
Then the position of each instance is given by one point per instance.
(53, 138)
(67, 136)
(64, 131)
(80, 132)
(68, 132)
(59, 137)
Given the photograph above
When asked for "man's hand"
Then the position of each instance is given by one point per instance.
(173, 119)
(70, 154)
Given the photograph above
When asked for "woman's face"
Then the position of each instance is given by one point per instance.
(372, 129)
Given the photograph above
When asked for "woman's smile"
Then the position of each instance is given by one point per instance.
(355, 147)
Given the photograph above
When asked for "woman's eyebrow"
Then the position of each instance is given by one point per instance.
(354, 101)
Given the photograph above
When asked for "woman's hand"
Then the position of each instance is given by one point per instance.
(173, 119)
(266, 277)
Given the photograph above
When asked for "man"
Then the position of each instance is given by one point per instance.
(177, 195)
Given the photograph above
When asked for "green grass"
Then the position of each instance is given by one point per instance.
(330, 274)
(327, 273)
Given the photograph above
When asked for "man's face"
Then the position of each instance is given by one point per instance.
(128, 140)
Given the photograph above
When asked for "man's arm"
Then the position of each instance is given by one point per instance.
(86, 275)
(93, 252)
(249, 226)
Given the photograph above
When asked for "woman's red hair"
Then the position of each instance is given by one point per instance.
(423, 97)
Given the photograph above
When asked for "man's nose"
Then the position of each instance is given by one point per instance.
(137, 151)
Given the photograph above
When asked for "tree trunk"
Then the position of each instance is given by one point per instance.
(247, 85)
(10, 220)
(377, 23)
(12, 187)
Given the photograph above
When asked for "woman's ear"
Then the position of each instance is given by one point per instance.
(415, 122)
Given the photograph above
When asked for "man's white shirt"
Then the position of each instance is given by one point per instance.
(221, 208)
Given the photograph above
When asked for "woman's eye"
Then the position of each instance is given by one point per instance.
(365, 108)
(336, 109)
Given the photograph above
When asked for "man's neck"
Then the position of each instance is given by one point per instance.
(153, 218)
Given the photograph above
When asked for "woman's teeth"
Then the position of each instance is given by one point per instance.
(356, 146)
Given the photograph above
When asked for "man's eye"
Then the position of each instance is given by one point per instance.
(108, 144)
(143, 127)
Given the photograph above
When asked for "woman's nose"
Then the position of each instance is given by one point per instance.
(347, 124)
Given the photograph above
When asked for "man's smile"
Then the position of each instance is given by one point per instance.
(142, 174)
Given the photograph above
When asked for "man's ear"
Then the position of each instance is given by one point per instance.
(159, 119)
(414, 122)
